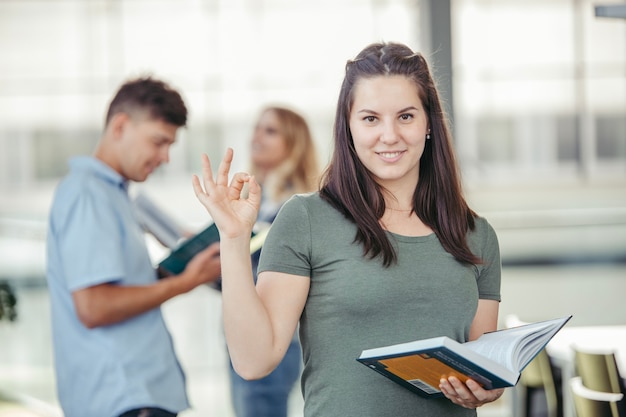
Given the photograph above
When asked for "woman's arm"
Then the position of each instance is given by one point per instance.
(486, 318)
(259, 322)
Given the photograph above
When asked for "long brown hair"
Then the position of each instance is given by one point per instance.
(438, 199)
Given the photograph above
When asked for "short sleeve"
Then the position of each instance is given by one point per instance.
(90, 238)
(484, 243)
(287, 247)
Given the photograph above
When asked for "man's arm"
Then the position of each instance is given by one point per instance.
(107, 304)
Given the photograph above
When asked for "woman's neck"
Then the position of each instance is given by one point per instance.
(402, 204)
(399, 196)
(404, 223)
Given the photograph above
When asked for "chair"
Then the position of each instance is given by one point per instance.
(591, 403)
(537, 378)
(598, 371)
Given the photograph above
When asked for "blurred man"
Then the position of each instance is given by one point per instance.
(113, 353)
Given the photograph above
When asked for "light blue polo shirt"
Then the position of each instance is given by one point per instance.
(93, 238)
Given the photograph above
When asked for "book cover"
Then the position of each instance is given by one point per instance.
(495, 360)
(177, 260)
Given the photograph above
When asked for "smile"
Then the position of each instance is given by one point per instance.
(390, 155)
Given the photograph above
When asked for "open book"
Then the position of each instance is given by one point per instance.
(494, 360)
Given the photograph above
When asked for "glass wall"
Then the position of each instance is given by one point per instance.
(63, 59)
(539, 85)
(540, 91)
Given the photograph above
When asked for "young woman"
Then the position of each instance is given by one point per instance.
(284, 162)
(388, 251)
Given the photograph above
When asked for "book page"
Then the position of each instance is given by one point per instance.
(515, 347)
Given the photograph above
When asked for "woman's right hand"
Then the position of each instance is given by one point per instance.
(233, 215)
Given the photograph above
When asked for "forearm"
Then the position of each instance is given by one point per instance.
(247, 326)
(108, 304)
(486, 318)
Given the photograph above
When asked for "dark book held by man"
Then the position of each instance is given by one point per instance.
(177, 260)
(494, 360)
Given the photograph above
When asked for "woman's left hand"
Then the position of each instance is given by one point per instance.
(468, 395)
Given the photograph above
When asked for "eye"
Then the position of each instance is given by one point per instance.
(406, 116)
(160, 141)
(271, 131)
(369, 119)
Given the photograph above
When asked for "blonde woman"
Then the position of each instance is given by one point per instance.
(284, 161)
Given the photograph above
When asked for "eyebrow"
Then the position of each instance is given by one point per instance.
(399, 111)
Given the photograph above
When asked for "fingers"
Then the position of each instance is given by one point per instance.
(482, 395)
(208, 191)
(208, 184)
(468, 395)
(236, 185)
(207, 174)
(207, 177)
(197, 188)
(213, 250)
(458, 393)
(254, 192)
(224, 168)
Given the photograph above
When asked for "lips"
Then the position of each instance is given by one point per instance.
(390, 156)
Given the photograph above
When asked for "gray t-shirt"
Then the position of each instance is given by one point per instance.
(355, 303)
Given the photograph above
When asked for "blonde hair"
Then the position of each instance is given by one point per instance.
(299, 173)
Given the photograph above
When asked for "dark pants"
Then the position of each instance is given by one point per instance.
(148, 412)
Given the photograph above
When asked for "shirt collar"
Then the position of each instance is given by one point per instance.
(92, 165)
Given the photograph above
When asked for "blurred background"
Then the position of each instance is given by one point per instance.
(535, 89)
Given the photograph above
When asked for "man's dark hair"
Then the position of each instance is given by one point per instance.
(153, 97)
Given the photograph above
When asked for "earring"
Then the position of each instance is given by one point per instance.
(428, 135)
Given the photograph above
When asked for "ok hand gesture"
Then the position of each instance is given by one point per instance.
(233, 215)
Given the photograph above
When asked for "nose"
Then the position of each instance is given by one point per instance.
(389, 133)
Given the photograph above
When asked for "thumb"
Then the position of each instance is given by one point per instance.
(254, 192)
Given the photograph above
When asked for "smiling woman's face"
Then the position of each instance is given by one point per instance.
(389, 125)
